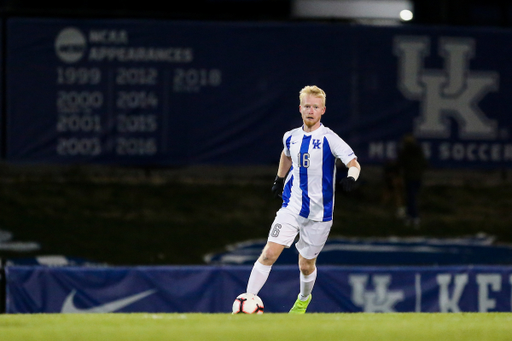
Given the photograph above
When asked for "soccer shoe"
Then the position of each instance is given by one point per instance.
(300, 306)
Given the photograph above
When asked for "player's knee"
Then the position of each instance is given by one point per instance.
(307, 267)
(269, 255)
(307, 270)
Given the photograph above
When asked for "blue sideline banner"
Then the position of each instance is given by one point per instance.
(175, 93)
(212, 289)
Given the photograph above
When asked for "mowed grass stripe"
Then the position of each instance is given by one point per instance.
(282, 327)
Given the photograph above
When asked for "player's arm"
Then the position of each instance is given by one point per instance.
(354, 168)
(285, 163)
(354, 163)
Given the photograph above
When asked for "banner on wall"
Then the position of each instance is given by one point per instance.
(212, 289)
(175, 93)
(447, 86)
(150, 92)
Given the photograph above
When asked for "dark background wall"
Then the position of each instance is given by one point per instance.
(432, 12)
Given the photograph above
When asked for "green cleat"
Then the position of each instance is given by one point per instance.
(300, 306)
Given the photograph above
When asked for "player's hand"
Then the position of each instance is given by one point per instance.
(348, 183)
(277, 188)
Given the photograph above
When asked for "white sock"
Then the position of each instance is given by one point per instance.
(306, 284)
(258, 277)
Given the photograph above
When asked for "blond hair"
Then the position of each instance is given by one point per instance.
(312, 90)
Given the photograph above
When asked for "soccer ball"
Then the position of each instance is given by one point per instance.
(248, 304)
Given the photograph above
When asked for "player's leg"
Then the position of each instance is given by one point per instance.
(313, 236)
(270, 253)
(307, 276)
(282, 234)
(261, 269)
(307, 282)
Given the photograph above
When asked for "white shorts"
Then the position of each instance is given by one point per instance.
(312, 234)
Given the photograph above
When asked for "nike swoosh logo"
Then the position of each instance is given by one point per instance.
(69, 306)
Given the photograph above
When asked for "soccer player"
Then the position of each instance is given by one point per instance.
(306, 182)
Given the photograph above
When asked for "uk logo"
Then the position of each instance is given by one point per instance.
(453, 92)
(316, 144)
(381, 299)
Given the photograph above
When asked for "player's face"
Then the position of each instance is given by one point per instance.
(311, 109)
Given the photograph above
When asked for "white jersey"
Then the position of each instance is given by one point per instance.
(310, 185)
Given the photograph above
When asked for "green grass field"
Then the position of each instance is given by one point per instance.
(281, 327)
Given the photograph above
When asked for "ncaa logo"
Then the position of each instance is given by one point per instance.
(70, 45)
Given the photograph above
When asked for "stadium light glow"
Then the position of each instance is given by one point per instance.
(372, 12)
(406, 15)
